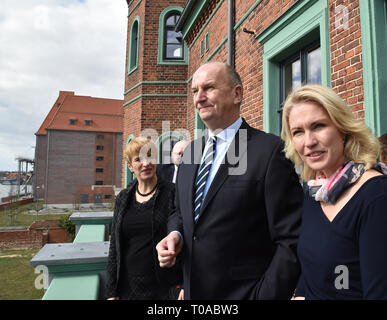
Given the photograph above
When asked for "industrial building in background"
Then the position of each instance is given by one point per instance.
(78, 152)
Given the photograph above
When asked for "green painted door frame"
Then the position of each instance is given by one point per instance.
(374, 45)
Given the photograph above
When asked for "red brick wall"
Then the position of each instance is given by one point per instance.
(149, 112)
(36, 236)
(11, 239)
(248, 51)
(345, 46)
(346, 54)
(104, 190)
(72, 163)
(346, 50)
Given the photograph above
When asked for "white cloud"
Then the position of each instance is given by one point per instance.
(52, 45)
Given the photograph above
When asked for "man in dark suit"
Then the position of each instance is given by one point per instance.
(168, 171)
(238, 236)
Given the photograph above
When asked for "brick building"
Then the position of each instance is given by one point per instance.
(78, 151)
(275, 45)
(156, 74)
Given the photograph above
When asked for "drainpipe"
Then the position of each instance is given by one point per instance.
(230, 42)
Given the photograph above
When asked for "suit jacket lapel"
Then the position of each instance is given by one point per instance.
(234, 152)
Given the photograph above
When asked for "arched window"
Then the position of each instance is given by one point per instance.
(134, 45)
(171, 46)
(173, 41)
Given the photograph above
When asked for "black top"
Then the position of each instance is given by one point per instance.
(346, 258)
(136, 230)
(140, 285)
(138, 280)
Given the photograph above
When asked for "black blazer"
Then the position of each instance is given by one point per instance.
(243, 245)
(166, 171)
(162, 208)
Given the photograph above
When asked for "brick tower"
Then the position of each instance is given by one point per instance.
(155, 74)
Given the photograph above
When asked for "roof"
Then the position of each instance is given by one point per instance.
(106, 115)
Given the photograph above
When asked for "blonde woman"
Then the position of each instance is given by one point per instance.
(140, 221)
(343, 234)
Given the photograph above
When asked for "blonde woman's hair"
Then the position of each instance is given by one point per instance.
(360, 145)
(136, 145)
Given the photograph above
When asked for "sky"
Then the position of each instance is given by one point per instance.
(47, 46)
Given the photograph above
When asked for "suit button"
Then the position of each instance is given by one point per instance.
(195, 238)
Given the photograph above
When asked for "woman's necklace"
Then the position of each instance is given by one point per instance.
(146, 194)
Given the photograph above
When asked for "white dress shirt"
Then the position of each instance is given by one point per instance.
(224, 139)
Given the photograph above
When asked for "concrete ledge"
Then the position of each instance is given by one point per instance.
(72, 254)
(102, 217)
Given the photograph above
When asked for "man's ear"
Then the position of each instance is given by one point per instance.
(238, 94)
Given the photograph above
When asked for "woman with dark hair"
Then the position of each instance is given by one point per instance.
(140, 221)
(343, 234)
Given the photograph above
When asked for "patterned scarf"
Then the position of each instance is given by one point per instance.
(330, 189)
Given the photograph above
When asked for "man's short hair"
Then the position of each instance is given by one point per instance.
(233, 75)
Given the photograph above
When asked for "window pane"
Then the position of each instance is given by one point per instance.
(314, 66)
(133, 49)
(174, 51)
(171, 21)
(173, 41)
(173, 37)
(292, 76)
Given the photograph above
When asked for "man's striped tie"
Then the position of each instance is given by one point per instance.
(202, 176)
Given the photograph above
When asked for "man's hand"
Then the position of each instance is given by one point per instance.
(168, 249)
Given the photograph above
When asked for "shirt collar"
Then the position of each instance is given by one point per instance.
(228, 134)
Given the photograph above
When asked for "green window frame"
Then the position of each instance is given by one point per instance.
(134, 44)
(373, 21)
(304, 23)
(129, 176)
(165, 14)
(207, 42)
(301, 61)
(172, 137)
